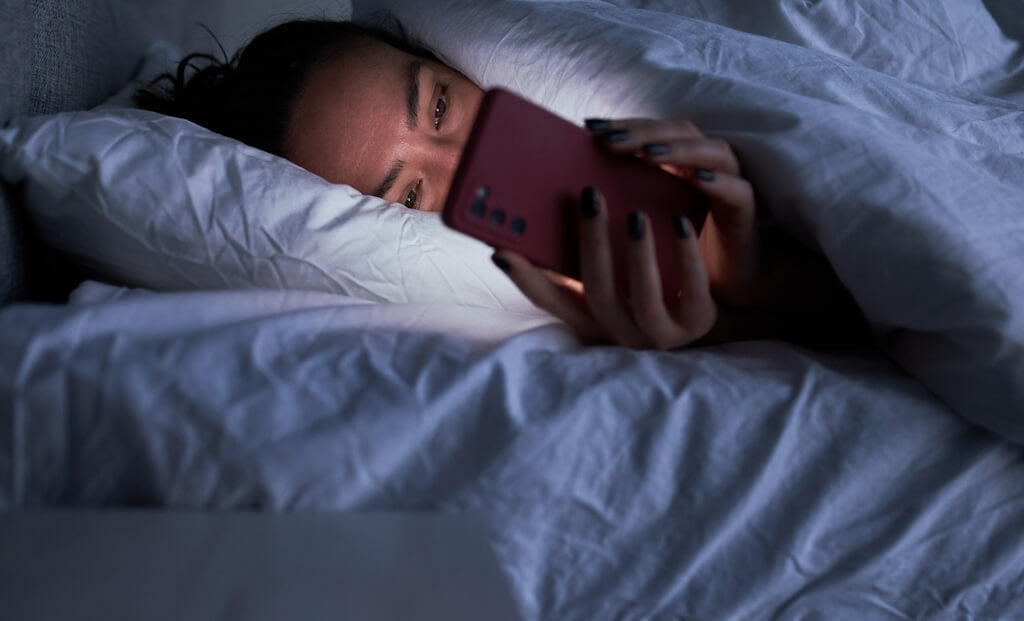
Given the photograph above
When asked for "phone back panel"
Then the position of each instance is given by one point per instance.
(519, 182)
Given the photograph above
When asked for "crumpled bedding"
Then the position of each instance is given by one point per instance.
(753, 480)
(908, 181)
(748, 481)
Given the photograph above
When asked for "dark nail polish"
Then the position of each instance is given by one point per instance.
(616, 135)
(681, 225)
(502, 264)
(635, 225)
(704, 175)
(597, 125)
(588, 203)
(656, 148)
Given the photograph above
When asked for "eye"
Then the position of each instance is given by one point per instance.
(412, 198)
(441, 107)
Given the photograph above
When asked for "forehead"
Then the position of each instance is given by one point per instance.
(348, 114)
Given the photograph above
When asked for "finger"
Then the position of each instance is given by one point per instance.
(629, 135)
(547, 295)
(564, 282)
(693, 310)
(731, 238)
(732, 205)
(645, 294)
(689, 155)
(598, 274)
(683, 127)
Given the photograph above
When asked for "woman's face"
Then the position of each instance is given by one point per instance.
(385, 122)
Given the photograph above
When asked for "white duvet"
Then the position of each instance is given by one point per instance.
(747, 481)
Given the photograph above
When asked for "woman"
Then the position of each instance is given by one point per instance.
(362, 106)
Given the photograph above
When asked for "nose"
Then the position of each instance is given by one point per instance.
(448, 160)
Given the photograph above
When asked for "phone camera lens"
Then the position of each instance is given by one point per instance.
(517, 226)
(477, 208)
(483, 192)
(498, 217)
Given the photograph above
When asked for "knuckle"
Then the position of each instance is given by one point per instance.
(548, 306)
(547, 302)
(720, 147)
(627, 341)
(708, 318)
(646, 312)
(600, 296)
(664, 342)
(593, 239)
(685, 126)
(746, 192)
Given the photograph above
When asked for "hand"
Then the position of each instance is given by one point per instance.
(725, 263)
(729, 240)
(769, 286)
(642, 319)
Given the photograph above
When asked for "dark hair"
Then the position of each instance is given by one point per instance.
(249, 97)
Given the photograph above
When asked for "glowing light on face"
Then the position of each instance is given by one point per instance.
(385, 122)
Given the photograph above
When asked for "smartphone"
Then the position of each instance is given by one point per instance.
(519, 182)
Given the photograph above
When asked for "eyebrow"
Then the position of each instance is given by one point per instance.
(412, 105)
(412, 92)
(389, 179)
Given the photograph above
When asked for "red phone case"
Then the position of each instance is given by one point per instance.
(519, 182)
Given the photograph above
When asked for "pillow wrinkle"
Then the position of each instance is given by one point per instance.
(431, 256)
(235, 250)
(159, 202)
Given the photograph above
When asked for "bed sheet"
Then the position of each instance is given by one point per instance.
(909, 184)
(964, 46)
(751, 480)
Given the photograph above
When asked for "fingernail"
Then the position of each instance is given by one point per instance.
(502, 264)
(616, 135)
(656, 148)
(588, 202)
(682, 226)
(635, 225)
(597, 125)
(704, 175)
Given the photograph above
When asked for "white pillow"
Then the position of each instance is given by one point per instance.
(153, 201)
(916, 196)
